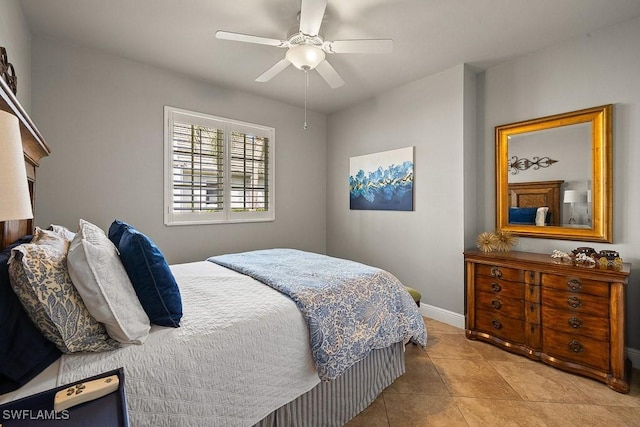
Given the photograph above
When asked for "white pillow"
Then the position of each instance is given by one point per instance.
(99, 276)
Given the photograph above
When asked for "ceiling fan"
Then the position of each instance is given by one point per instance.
(306, 49)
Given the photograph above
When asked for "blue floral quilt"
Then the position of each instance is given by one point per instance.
(351, 308)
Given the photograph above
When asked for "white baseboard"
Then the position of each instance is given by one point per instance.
(634, 355)
(442, 315)
(457, 320)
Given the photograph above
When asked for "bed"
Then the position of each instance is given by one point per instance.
(233, 361)
(526, 197)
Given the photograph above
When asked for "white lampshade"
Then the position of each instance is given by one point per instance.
(305, 56)
(15, 202)
(573, 196)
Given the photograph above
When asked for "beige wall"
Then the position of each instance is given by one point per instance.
(103, 118)
(601, 68)
(423, 248)
(15, 37)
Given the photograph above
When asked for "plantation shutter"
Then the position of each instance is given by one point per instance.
(217, 170)
(198, 168)
(249, 172)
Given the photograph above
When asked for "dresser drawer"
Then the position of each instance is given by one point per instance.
(575, 284)
(576, 323)
(532, 293)
(533, 335)
(578, 303)
(500, 287)
(576, 348)
(499, 304)
(501, 326)
(532, 312)
(505, 273)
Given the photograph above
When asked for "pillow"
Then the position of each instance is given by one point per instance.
(50, 238)
(98, 274)
(62, 231)
(116, 230)
(24, 351)
(150, 274)
(522, 215)
(39, 277)
(541, 215)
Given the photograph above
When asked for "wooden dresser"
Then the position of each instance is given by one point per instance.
(568, 316)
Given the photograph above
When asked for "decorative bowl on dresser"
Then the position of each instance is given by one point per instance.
(567, 316)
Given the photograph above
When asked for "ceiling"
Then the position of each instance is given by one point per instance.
(429, 36)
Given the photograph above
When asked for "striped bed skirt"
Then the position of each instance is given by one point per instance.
(334, 403)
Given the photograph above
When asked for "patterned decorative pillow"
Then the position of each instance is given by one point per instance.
(39, 277)
(50, 238)
(62, 231)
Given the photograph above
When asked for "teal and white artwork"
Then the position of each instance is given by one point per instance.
(382, 181)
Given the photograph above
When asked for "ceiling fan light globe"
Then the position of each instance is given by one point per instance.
(305, 56)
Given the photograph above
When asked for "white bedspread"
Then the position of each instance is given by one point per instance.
(241, 352)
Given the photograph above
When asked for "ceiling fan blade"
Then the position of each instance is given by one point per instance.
(271, 72)
(329, 74)
(225, 35)
(311, 15)
(359, 46)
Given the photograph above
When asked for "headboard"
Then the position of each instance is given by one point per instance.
(35, 148)
(537, 194)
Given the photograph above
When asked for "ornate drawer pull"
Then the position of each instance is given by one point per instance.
(496, 304)
(495, 287)
(574, 302)
(495, 272)
(574, 285)
(496, 324)
(576, 347)
(575, 323)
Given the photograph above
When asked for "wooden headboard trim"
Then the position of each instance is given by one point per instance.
(545, 193)
(34, 148)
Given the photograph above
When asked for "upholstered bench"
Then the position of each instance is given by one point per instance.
(414, 294)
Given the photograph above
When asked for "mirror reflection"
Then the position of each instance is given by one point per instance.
(559, 155)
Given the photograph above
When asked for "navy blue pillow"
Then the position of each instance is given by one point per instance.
(522, 215)
(24, 351)
(116, 230)
(149, 273)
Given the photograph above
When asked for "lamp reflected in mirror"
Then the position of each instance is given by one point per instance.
(572, 197)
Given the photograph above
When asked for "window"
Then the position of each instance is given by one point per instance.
(216, 169)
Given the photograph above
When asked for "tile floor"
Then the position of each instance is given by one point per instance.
(459, 382)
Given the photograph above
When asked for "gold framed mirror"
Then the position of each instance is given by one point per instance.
(554, 176)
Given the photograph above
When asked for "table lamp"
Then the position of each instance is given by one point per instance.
(15, 201)
(572, 197)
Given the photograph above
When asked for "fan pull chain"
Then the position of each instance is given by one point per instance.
(306, 85)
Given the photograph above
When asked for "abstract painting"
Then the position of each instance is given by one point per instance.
(382, 181)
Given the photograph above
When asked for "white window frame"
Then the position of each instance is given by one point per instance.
(171, 217)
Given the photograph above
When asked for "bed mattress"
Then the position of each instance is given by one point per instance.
(241, 352)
